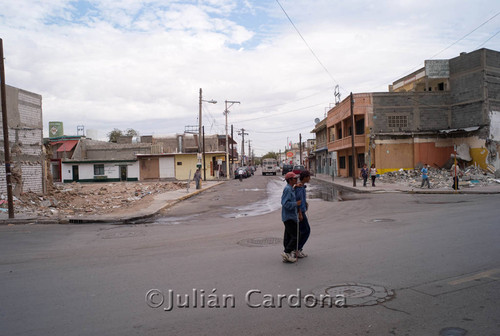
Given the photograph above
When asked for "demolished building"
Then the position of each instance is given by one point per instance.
(424, 118)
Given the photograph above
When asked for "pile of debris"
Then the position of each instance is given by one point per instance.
(441, 178)
(93, 198)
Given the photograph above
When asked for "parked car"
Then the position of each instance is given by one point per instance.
(240, 171)
(286, 169)
(298, 168)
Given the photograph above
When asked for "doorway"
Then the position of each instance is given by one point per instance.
(123, 173)
(76, 176)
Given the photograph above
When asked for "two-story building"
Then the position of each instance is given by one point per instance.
(423, 118)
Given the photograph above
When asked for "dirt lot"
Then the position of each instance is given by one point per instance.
(90, 198)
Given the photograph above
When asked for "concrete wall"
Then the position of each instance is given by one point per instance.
(24, 115)
(111, 171)
(184, 163)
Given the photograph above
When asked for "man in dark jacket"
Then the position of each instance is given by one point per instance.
(289, 217)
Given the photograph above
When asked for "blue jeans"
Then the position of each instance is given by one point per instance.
(304, 231)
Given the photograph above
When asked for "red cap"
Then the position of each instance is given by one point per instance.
(290, 175)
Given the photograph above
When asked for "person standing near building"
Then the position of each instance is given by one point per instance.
(197, 178)
(373, 174)
(455, 172)
(289, 216)
(304, 228)
(364, 174)
(425, 176)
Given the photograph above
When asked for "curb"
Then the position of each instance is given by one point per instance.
(412, 191)
(116, 220)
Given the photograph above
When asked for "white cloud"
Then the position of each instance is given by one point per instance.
(140, 64)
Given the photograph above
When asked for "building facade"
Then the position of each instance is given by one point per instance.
(28, 166)
(424, 117)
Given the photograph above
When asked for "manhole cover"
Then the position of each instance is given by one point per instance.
(452, 332)
(259, 242)
(356, 295)
(382, 220)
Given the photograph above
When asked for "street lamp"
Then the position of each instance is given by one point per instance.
(232, 102)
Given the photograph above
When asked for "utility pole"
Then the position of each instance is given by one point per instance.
(249, 152)
(199, 118)
(232, 149)
(242, 133)
(8, 174)
(300, 148)
(226, 112)
(352, 142)
(204, 166)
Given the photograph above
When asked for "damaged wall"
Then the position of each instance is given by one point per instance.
(24, 115)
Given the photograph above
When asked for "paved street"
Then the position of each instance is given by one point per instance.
(437, 256)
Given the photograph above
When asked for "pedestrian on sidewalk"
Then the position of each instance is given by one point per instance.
(304, 228)
(289, 216)
(373, 174)
(425, 176)
(197, 178)
(455, 172)
(364, 174)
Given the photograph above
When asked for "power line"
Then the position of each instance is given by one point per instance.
(460, 39)
(482, 44)
(303, 39)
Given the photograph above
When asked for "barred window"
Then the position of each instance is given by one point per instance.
(397, 121)
(99, 169)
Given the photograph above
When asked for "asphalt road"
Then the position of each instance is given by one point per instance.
(437, 256)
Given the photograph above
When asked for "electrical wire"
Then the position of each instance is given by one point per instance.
(460, 39)
(303, 39)
(482, 44)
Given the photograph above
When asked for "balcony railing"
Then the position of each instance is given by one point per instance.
(359, 141)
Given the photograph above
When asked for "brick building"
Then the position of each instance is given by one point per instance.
(24, 116)
(424, 117)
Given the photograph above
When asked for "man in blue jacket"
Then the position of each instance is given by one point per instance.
(289, 216)
(304, 228)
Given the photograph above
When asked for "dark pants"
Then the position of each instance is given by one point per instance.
(304, 231)
(365, 178)
(455, 183)
(373, 180)
(290, 237)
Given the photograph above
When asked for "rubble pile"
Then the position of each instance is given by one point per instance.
(93, 198)
(441, 178)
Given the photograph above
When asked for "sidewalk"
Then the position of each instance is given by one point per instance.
(384, 187)
(160, 202)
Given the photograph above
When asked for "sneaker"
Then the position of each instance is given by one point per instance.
(287, 257)
(300, 254)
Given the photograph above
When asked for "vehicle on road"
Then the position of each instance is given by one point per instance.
(286, 169)
(240, 173)
(269, 166)
(298, 168)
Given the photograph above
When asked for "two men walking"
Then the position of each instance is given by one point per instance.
(293, 215)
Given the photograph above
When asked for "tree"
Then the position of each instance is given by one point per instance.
(131, 132)
(114, 135)
(270, 155)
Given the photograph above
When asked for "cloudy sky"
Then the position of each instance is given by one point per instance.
(139, 64)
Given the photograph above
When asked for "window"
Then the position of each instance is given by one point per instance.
(397, 121)
(99, 169)
(360, 126)
(179, 163)
(361, 160)
(342, 162)
(332, 134)
(340, 133)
